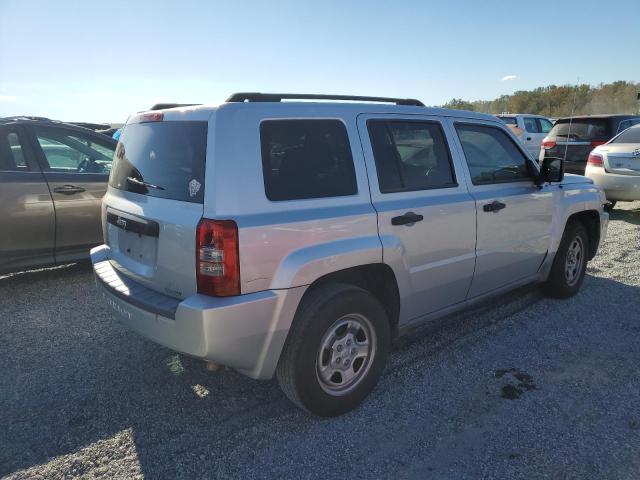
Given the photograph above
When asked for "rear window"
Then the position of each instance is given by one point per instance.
(162, 159)
(631, 135)
(582, 129)
(306, 159)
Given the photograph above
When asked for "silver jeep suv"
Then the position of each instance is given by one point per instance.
(299, 238)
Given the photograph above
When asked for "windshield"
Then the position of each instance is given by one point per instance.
(630, 135)
(586, 129)
(162, 159)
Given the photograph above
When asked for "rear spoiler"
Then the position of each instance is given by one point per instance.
(162, 106)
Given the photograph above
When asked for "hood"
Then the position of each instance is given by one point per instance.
(572, 179)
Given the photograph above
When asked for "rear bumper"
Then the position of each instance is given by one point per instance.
(245, 332)
(615, 186)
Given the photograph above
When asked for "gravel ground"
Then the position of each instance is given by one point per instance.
(526, 387)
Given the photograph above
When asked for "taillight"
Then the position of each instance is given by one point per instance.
(548, 144)
(595, 159)
(597, 143)
(217, 258)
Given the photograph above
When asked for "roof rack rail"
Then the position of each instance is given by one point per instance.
(278, 97)
(162, 106)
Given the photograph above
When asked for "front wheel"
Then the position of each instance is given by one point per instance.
(570, 263)
(336, 350)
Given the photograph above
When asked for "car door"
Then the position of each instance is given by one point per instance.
(76, 164)
(27, 218)
(513, 214)
(426, 217)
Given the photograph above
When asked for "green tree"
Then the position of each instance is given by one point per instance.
(559, 101)
(459, 104)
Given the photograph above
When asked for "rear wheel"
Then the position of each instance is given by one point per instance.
(570, 263)
(336, 350)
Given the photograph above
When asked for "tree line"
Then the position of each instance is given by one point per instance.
(558, 101)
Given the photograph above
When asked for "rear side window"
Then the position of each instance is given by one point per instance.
(509, 120)
(410, 155)
(582, 129)
(306, 159)
(530, 125)
(162, 159)
(491, 155)
(11, 153)
(628, 123)
(630, 135)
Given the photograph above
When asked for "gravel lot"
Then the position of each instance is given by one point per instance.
(526, 387)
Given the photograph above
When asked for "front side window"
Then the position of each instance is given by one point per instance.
(306, 159)
(545, 125)
(72, 152)
(491, 155)
(11, 153)
(410, 155)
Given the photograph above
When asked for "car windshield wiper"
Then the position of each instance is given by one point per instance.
(135, 181)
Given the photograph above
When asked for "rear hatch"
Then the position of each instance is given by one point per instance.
(155, 200)
(574, 139)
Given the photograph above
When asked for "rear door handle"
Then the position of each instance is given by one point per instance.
(68, 189)
(406, 219)
(493, 206)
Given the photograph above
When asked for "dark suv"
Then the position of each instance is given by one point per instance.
(53, 176)
(573, 138)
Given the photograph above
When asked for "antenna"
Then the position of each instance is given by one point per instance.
(573, 108)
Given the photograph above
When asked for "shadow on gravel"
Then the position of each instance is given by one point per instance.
(629, 216)
(44, 274)
(71, 377)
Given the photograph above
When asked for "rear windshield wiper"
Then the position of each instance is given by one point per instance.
(135, 181)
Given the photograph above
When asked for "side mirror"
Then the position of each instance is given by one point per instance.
(551, 170)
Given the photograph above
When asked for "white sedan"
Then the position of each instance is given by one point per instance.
(615, 166)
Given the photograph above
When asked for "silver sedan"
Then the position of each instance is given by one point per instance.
(615, 166)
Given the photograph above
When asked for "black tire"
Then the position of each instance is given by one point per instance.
(610, 205)
(320, 310)
(558, 285)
